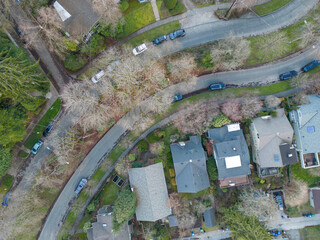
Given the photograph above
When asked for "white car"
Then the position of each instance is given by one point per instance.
(140, 49)
(96, 78)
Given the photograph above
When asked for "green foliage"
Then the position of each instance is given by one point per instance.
(132, 157)
(19, 76)
(220, 121)
(43, 123)
(6, 183)
(110, 194)
(23, 154)
(155, 136)
(70, 45)
(304, 175)
(86, 226)
(170, 4)
(124, 5)
(73, 62)
(169, 160)
(160, 232)
(136, 164)
(95, 45)
(179, 8)
(143, 146)
(270, 6)
(91, 207)
(207, 61)
(158, 160)
(12, 128)
(244, 227)
(5, 160)
(124, 208)
(33, 103)
(212, 170)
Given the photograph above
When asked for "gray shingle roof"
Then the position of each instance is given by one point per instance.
(272, 132)
(173, 221)
(209, 217)
(306, 124)
(229, 144)
(190, 165)
(288, 154)
(151, 190)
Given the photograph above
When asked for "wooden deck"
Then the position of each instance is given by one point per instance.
(237, 181)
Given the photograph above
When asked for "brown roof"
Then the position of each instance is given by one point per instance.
(316, 199)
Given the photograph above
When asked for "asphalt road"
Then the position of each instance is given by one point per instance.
(201, 34)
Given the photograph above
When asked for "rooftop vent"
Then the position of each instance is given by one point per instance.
(232, 184)
(182, 144)
(234, 149)
(190, 160)
(266, 117)
(290, 155)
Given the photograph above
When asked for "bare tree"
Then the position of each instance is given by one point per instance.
(181, 68)
(300, 98)
(300, 81)
(231, 52)
(232, 109)
(254, 203)
(272, 101)
(250, 107)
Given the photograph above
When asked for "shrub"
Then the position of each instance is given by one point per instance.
(70, 45)
(169, 160)
(171, 172)
(73, 62)
(95, 45)
(173, 182)
(143, 146)
(86, 226)
(33, 103)
(132, 157)
(158, 160)
(207, 61)
(179, 8)
(91, 207)
(155, 136)
(124, 5)
(170, 4)
(136, 164)
(220, 121)
(212, 169)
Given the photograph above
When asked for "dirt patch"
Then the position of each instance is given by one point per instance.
(157, 148)
(314, 172)
(297, 194)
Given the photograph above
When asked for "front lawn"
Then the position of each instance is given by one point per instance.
(164, 12)
(137, 16)
(43, 123)
(110, 193)
(154, 33)
(299, 210)
(6, 183)
(270, 6)
(304, 175)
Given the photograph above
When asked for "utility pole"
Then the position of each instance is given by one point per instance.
(230, 9)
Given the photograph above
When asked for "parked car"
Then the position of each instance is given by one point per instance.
(217, 86)
(159, 40)
(96, 77)
(310, 66)
(280, 202)
(177, 97)
(36, 147)
(308, 215)
(81, 185)
(140, 49)
(176, 34)
(48, 129)
(288, 75)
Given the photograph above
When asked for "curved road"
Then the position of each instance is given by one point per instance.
(288, 14)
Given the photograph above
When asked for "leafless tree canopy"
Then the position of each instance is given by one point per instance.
(231, 52)
(263, 207)
(181, 68)
(232, 109)
(250, 107)
(272, 101)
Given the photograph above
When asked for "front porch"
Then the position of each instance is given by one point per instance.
(310, 160)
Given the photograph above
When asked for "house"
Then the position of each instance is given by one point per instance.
(272, 143)
(209, 217)
(78, 17)
(231, 154)
(102, 229)
(149, 185)
(306, 125)
(314, 197)
(190, 166)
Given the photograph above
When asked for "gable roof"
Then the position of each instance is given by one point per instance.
(306, 123)
(190, 166)
(78, 16)
(209, 217)
(150, 187)
(272, 132)
(228, 144)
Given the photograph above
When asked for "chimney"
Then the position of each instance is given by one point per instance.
(182, 144)
(290, 155)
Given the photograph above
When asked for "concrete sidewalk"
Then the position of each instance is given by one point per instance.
(155, 10)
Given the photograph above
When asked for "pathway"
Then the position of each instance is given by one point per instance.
(155, 10)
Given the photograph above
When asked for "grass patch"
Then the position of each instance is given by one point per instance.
(270, 6)
(115, 154)
(309, 233)
(154, 33)
(164, 12)
(23, 154)
(137, 16)
(304, 175)
(196, 195)
(6, 183)
(110, 193)
(298, 211)
(43, 123)
(82, 236)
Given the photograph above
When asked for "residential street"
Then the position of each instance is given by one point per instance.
(195, 35)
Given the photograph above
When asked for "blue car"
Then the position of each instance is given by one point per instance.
(217, 86)
(177, 98)
(48, 129)
(159, 40)
(288, 75)
(176, 34)
(37, 147)
(310, 66)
